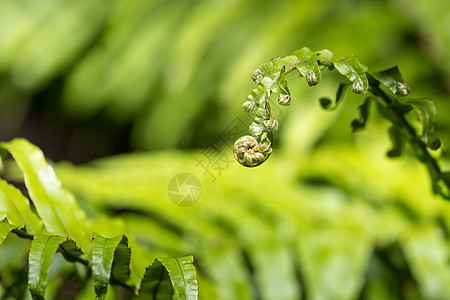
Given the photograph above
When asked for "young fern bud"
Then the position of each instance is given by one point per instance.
(312, 79)
(257, 76)
(261, 113)
(271, 124)
(357, 87)
(249, 153)
(402, 89)
(249, 106)
(256, 129)
(284, 99)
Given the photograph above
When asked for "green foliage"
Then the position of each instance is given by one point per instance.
(251, 151)
(103, 253)
(16, 208)
(5, 228)
(59, 224)
(156, 281)
(52, 202)
(318, 234)
(43, 248)
(328, 216)
(338, 223)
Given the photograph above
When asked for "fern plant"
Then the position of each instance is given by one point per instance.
(385, 89)
(55, 223)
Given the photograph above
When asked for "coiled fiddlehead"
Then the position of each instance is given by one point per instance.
(252, 150)
(249, 152)
(387, 90)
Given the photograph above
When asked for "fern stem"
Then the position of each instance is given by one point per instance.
(418, 144)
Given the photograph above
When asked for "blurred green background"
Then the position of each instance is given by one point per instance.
(326, 217)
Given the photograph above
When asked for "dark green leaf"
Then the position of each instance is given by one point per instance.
(393, 80)
(353, 70)
(5, 228)
(328, 103)
(103, 251)
(57, 207)
(427, 114)
(389, 112)
(3, 154)
(168, 274)
(444, 185)
(121, 263)
(397, 140)
(70, 251)
(43, 248)
(156, 283)
(364, 109)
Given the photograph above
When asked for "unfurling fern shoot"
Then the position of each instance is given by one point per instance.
(386, 89)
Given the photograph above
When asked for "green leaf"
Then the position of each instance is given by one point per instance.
(5, 228)
(273, 67)
(103, 255)
(280, 86)
(427, 114)
(263, 71)
(281, 89)
(308, 66)
(283, 62)
(324, 55)
(353, 70)
(156, 283)
(3, 154)
(389, 113)
(17, 209)
(443, 185)
(70, 251)
(398, 142)
(43, 248)
(304, 53)
(393, 80)
(364, 110)
(255, 96)
(121, 263)
(56, 206)
(182, 275)
(328, 104)
(310, 70)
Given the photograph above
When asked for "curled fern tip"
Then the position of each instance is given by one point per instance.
(249, 153)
